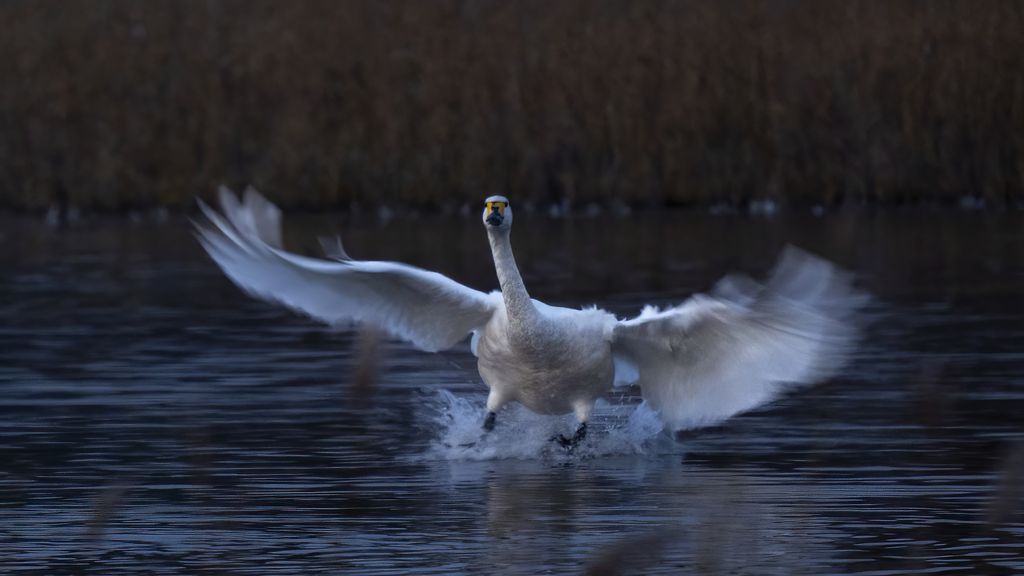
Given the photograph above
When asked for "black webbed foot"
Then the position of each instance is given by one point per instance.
(487, 427)
(571, 443)
(489, 421)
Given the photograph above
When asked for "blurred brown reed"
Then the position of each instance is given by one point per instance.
(107, 503)
(633, 554)
(117, 104)
(1008, 495)
(367, 363)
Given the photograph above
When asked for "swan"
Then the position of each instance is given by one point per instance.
(698, 363)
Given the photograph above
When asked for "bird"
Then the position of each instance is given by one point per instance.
(697, 363)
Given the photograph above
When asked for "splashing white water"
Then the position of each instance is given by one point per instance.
(521, 434)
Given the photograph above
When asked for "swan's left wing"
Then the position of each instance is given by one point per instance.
(715, 356)
(428, 309)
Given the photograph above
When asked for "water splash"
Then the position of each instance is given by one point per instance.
(614, 429)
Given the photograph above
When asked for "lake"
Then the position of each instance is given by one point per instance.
(155, 420)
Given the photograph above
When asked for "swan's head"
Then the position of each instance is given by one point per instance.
(497, 212)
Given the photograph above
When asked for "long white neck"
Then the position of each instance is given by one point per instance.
(518, 305)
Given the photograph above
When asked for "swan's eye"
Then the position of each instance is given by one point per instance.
(499, 206)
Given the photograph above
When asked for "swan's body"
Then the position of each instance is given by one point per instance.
(697, 363)
(561, 363)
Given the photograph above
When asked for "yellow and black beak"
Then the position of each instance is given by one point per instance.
(495, 213)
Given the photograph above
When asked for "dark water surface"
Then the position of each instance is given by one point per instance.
(153, 420)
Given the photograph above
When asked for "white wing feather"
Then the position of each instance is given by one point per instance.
(425, 308)
(254, 217)
(715, 356)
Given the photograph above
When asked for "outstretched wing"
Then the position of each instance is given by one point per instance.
(425, 308)
(253, 217)
(717, 355)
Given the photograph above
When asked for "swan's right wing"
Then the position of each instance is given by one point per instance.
(425, 308)
(715, 356)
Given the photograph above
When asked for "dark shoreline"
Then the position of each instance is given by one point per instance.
(588, 211)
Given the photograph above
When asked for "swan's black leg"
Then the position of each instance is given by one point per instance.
(489, 421)
(488, 426)
(578, 437)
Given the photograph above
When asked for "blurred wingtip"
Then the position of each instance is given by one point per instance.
(207, 211)
(807, 290)
(333, 248)
(816, 282)
(737, 288)
(250, 215)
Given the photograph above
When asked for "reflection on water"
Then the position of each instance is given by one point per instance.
(153, 420)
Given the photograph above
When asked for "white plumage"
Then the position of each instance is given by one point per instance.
(425, 308)
(696, 364)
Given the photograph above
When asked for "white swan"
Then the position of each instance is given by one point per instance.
(697, 364)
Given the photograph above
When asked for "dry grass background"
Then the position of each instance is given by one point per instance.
(115, 104)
